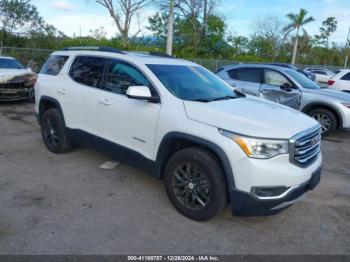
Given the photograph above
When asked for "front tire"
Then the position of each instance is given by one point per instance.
(326, 118)
(195, 184)
(53, 131)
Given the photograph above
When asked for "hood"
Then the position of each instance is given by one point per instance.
(339, 95)
(15, 75)
(250, 117)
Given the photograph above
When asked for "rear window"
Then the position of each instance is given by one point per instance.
(54, 65)
(346, 77)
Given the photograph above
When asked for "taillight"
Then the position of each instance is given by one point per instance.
(331, 82)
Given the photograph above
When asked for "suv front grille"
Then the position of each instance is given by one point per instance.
(306, 147)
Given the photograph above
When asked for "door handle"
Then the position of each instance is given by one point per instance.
(62, 91)
(104, 102)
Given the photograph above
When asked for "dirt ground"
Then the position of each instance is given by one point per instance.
(66, 204)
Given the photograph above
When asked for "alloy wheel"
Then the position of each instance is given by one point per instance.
(324, 120)
(191, 186)
(50, 132)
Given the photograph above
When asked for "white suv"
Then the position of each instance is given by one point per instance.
(181, 123)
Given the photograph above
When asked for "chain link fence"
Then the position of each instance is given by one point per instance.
(35, 58)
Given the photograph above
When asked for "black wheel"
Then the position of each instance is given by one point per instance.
(53, 132)
(195, 184)
(326, 118)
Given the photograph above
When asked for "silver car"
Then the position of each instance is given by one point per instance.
(331, 108)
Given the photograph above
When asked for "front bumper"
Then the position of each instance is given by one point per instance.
(245, 204)
(13, 94)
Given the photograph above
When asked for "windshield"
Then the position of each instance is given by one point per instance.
(303, 80)
(192, 83)
(10, 64)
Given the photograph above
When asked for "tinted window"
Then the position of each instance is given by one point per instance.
(88, 70)
(10, 64)
(246, 74)
(275, 78)
(120, 76)
(53, 65)
(191, 82)
(346, 77)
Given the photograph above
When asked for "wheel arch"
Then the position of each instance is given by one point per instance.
(175, 141)
(47, 103)
(308, 108)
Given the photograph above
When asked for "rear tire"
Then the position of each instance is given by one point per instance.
(326, 118)
(195, 184)
(54, 133)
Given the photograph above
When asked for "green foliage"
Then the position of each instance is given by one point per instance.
(192, 39)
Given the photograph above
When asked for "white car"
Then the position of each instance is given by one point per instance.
(322, 75)
(180, 123)
(340, 81)
(16, 81)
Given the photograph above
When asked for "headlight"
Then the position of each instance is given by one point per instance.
(346, 104)
(258, 148)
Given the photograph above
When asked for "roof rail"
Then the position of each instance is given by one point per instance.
(93, 48)
(160, 54)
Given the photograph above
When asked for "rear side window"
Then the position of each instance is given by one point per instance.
(54, 65)
(88, 70)
(346, 77)
(246, 74)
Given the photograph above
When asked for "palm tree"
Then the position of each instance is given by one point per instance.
(297, 21)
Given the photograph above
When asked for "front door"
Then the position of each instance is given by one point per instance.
(127, 122)
(276, 87)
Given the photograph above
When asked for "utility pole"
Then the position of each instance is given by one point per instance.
(347, 46)
(169, 41)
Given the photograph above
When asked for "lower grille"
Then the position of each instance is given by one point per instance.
(306, 147)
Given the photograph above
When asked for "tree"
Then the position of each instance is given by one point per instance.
(18, 16)
(99, 33)
(297, 21)
(329, 26)
(169, 42)
(267, 38)
(122, 12)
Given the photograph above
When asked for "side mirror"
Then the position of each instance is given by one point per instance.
(286, 87)
(141, 93)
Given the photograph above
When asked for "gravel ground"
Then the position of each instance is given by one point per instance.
(66, 204)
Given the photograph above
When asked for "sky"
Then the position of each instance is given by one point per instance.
(80, 16)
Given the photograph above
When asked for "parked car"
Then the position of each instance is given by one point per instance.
(340, 81)
(322, 75)
(181, 123)
(285, 86)
(16, 81)
(306, 73)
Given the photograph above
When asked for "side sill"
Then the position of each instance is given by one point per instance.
(111, 149)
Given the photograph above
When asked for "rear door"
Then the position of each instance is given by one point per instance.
(246, 80)
(80, 91)
(275, 88)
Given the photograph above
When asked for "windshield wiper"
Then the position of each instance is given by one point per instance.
(201, 100)
(224, 98)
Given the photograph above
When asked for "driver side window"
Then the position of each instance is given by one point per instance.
(275, 78)
(120, 76)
